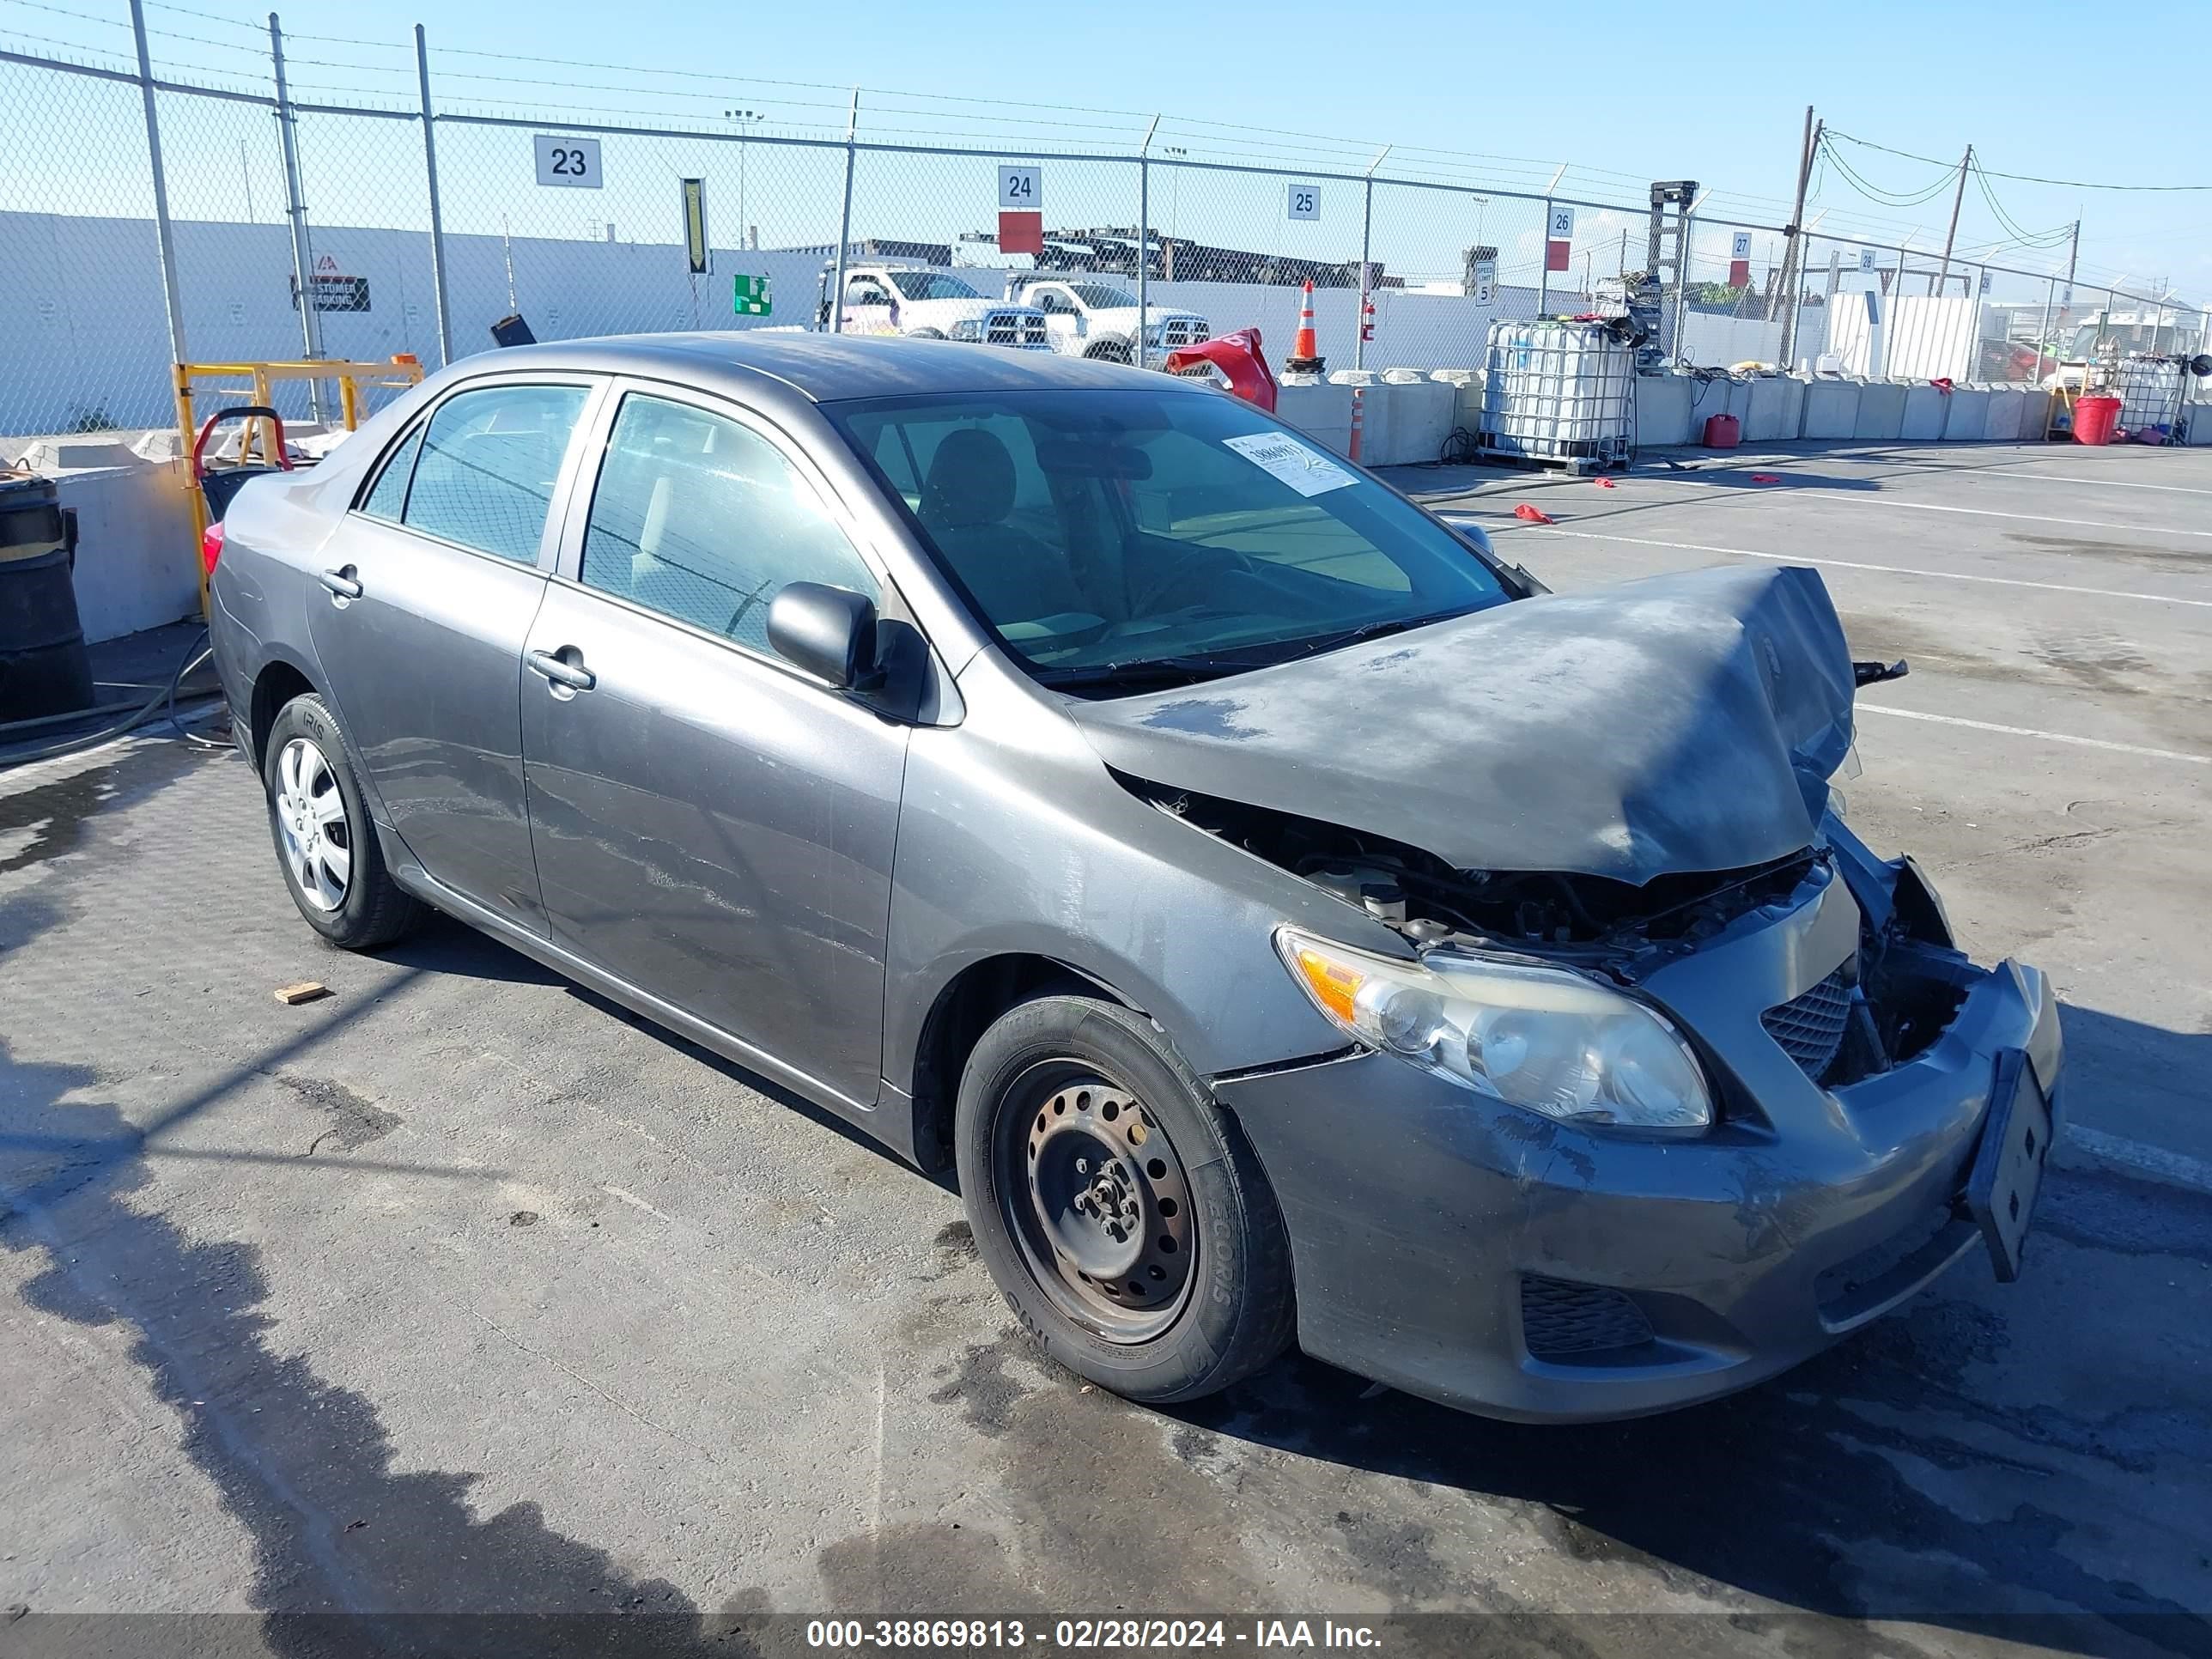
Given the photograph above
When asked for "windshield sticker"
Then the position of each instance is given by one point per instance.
(1306, 470)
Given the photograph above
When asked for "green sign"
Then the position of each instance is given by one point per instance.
(749, 297)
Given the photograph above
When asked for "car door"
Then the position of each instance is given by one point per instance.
(1063, 321)
(429, 591)
(869, 307)
(712, 825)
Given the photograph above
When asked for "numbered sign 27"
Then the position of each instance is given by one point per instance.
(1021, 188)
(1304, 202)
(568, 163)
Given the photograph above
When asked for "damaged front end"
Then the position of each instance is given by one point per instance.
(1880, 1007)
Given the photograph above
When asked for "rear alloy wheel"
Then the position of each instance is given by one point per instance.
(323, 840)
(1121, 1211)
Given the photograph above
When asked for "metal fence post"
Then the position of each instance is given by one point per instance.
(845, 220)
(295, 211)
(2043, 338)
(1544, 260)
(437, 216)
(1366, 270)
(164, 235)
(1142, 356)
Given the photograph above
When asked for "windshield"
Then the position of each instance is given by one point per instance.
(1099, 297)
(1106, 535)
(928, 285)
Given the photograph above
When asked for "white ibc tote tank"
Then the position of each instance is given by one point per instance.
(1558, 392)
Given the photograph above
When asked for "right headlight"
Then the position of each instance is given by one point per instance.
(968, 329)
(1541, 1038)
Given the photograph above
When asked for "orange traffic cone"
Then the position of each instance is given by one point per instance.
(1305, 351)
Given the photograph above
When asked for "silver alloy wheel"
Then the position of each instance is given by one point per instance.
(312, 822)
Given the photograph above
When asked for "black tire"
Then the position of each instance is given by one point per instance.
(1234, 1311)
(371, 909)
(1111, 351)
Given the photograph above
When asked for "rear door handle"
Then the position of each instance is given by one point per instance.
(341, 583)
(575, 676)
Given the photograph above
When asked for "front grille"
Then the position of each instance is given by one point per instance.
(1019, 330)
(1183, 330)
(1560, 1318)
(1810, 1026)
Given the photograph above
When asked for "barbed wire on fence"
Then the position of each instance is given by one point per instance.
(326, 246)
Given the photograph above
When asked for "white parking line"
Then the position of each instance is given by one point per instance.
(2033, 731)
(1877, 498)
(1852, 564)
(2174, 1169)
(2103, 483)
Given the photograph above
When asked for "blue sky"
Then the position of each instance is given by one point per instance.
(1515, 90)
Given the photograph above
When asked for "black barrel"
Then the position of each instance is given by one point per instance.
(43, 666)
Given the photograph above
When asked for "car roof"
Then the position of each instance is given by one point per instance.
(828, 368)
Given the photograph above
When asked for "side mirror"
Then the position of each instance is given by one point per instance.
(830, 632)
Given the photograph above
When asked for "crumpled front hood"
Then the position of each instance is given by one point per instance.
(1679, 723)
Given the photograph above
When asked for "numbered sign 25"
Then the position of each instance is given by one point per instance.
(1304, 202)
(1021, 188)
(570, 163)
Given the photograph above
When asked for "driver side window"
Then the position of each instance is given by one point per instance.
(865, 291)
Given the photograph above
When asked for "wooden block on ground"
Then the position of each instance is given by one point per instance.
(306, 990)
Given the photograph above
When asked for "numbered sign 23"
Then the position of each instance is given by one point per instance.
(1304, 202)
(570, 163)
(1021, 187)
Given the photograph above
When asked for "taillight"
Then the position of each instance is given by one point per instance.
(210, 547)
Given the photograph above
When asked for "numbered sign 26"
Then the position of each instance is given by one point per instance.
(1021, 187)
(1562, 228)
(569, 163)
(1304, 202)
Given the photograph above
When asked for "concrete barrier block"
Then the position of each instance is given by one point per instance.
(1775, 408)
(137, 563)
(1966, 420)
(1321, 411)
(1882, 412)
(1419, 420)
(1926, 410)
(1832, 408)
(2001, 423)
(1662, 410)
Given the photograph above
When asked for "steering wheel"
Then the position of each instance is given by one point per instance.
(1146, 602)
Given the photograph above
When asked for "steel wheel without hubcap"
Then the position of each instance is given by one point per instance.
(1092, 1191)
(311, 822)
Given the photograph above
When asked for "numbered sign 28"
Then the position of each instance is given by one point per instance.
(1021, 187)
(1304, 202)
(569, 163)
(1866, 258)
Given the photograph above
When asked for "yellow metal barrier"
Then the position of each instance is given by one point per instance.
(351, 377)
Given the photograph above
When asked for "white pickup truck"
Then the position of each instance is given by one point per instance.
(914, 300)
(1091, 317)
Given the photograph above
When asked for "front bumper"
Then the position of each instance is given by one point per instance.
(1491, 1260)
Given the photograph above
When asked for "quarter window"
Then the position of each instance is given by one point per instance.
(488, 463)
(699, 518)
(387, 498)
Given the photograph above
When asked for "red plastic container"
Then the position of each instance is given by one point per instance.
(2094, 419)
(1722, 431)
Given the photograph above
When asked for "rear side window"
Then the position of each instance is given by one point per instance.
(701, 520)
(487, 465)
(387, 497)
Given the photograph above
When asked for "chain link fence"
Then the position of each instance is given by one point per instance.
(347, 244)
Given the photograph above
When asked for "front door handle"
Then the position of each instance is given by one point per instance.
(572, 675)
(341, 583)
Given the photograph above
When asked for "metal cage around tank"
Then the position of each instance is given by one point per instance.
(1560, 392)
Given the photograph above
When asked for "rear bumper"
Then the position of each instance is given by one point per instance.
(1461, 1250)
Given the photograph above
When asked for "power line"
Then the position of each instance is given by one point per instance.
(2022, 178)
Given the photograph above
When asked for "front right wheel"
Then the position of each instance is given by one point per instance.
(1122, 1213)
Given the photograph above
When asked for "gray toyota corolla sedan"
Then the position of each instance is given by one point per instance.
(1290, 920)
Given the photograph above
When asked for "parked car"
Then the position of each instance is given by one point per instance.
(1287, 918)
(1087, 317)
(914, 300)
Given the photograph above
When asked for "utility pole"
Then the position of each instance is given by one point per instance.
(1951, 235)
(1790, 262)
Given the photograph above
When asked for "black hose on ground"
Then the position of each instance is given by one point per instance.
(163, 698)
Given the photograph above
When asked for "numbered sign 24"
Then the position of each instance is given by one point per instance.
(569, 163)
(1021, 187)
(1304, 202)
